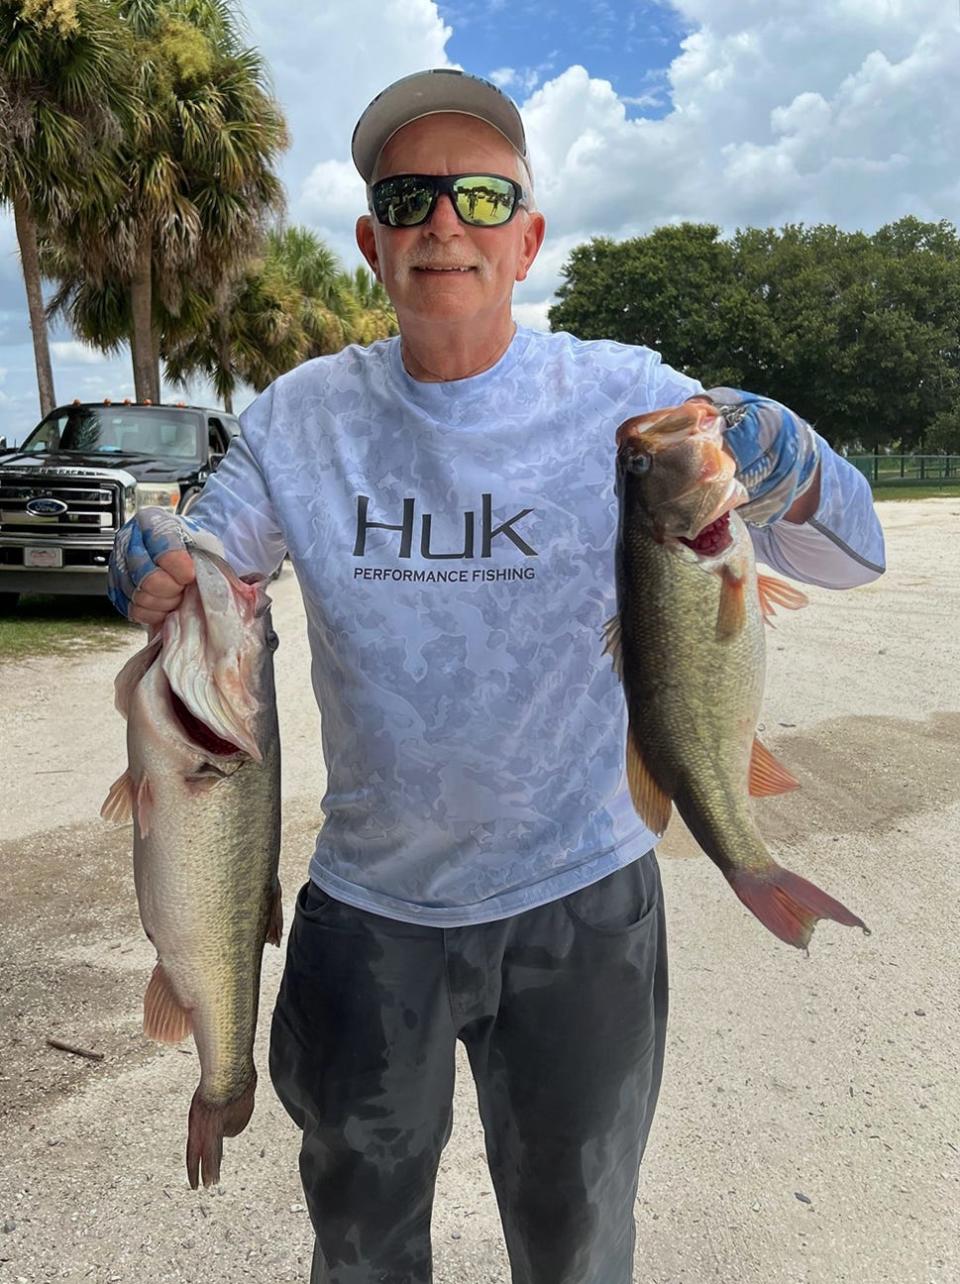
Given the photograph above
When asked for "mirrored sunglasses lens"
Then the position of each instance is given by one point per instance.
(484, 200)
(401, 204)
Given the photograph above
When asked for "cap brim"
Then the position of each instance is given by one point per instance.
(427, 93)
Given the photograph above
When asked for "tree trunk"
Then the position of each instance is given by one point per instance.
(155, 369)
(30, 262)
(141, 309)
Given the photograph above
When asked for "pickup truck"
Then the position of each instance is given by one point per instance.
(83, 471)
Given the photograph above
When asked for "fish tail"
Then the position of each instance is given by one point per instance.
(786, 904)
(209, 1123)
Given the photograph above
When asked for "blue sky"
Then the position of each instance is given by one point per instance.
(735, 112)
(629, 44)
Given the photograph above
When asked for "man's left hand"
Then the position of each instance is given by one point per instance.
(777, 454)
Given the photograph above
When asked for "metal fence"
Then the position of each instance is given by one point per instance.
(908, 470)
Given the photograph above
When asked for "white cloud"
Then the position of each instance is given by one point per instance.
(832, 110)
(72, 352)
(807, 110)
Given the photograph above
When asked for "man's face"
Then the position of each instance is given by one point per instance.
(422, 267)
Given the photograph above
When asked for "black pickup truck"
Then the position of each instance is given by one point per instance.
(83, 471)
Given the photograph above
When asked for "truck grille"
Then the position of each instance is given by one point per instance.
(94, 507)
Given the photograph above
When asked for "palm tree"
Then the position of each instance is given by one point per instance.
(196, 165)
(377, 317)
(292, 303)
(64, 95)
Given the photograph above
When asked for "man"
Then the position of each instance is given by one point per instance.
(447, 501)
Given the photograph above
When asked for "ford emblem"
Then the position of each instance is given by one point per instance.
(46, 507)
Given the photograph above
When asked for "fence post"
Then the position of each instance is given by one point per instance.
(923, 459)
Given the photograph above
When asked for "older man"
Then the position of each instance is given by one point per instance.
(446, 499)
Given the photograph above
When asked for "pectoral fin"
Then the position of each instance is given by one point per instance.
(652, 804)
(774, 593)
(118, 804)
(732, 615)
(767, 775)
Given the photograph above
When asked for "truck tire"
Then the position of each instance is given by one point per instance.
(8, 603)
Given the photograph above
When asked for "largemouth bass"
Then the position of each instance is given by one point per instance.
(203, 787)
(688, 643)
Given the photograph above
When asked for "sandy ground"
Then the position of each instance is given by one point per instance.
(809, 1125)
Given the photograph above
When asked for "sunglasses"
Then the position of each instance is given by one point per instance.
(481, 200)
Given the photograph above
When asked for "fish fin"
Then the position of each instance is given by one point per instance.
(732, 615)
(651, 803)
(209, 1123)
(164, 1016)
(118, 804)
(788, 905)
(275, 921)
(613, 646)
(129, 677)
(767, 775)
(144, 802)
(774, 593)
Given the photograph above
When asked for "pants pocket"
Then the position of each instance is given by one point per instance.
(624, 902)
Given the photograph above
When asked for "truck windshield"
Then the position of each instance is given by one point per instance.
(113, 430)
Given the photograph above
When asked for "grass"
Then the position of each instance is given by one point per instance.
(899, 491)
(61, 626)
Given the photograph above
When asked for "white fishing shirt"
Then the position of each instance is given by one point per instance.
(454, 543)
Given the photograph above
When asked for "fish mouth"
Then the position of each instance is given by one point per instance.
(200, 734)
(713, 539)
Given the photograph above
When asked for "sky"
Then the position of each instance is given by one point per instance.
(735, 112)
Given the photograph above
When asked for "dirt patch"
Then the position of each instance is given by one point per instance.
(861, 776)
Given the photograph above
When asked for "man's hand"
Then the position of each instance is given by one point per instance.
(777, 454)
(150, 564)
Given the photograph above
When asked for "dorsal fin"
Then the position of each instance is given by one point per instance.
(613, 645)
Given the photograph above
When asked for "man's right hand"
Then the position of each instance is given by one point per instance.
(150, 564)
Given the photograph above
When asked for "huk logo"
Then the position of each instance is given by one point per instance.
(488, 532)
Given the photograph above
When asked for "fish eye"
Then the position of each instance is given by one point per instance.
(638, 463)
(272, 640)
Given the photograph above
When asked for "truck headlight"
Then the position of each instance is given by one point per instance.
(161, 496)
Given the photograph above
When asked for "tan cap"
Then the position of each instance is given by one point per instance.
(424, 94)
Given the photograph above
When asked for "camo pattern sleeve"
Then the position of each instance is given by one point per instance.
(236, 503)
(841, 545)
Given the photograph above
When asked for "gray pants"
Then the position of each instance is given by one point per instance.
(562, 1010)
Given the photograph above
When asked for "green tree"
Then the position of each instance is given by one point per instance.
(65, 97)
(291, 303)
(197, 175)
(857, 333)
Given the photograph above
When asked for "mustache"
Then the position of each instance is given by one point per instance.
(423, 262)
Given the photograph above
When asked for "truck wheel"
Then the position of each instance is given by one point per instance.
(8, 603)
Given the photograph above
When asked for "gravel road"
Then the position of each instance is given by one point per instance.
(809, 1125)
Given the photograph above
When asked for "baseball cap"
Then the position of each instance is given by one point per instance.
(424, 94)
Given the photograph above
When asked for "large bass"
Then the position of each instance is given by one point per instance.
(688, 643)
(203, 787)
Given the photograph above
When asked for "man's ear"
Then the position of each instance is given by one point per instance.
(367, 241)
(533, 234)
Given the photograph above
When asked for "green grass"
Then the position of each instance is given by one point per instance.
(946, 491)
(61, 626)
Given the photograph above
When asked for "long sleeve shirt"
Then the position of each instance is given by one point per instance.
(454, 544)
